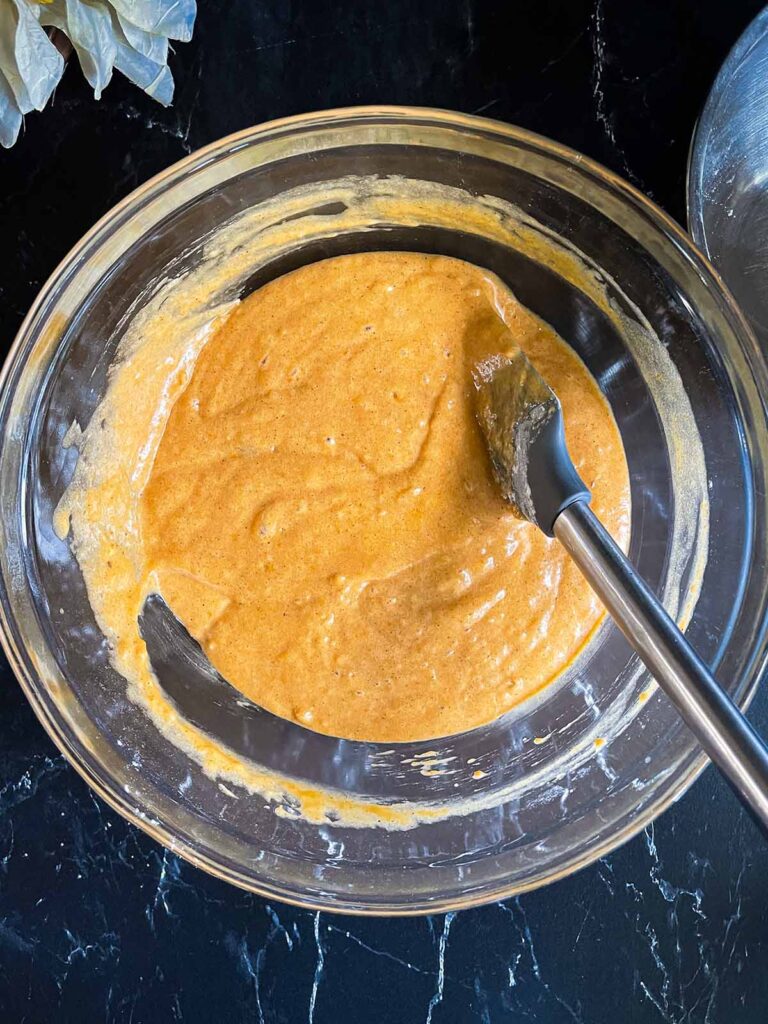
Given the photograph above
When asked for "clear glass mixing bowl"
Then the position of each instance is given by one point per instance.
(567, 776)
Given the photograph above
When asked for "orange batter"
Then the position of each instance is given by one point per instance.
(321, 515)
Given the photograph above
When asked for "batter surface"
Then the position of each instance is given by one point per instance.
(320, 511)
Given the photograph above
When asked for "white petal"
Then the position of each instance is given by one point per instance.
(173, 18)
(39, 63)
(146, 43)
(155, 79)
(10, 115)
(89, 29)
(8, 21)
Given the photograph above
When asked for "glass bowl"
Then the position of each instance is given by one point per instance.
(568, 775)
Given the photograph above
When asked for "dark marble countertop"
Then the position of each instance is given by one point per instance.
(97, 922)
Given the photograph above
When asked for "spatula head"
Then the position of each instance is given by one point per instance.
(521, 418)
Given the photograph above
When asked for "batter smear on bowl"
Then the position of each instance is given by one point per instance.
(320, 512)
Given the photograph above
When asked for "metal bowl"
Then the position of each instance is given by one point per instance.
(728, 174)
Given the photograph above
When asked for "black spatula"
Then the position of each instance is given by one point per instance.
(522, 421)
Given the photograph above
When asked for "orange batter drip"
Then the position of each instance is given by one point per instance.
(321, 514)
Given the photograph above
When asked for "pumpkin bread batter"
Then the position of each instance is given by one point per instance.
(321, 515)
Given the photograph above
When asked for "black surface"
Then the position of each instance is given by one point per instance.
(98, 923)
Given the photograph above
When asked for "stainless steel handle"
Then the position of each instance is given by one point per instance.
(709, 712)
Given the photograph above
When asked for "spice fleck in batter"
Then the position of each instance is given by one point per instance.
(321, 515)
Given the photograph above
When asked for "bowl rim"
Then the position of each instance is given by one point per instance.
(113, 795)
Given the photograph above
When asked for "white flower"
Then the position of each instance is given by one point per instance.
(130, 35)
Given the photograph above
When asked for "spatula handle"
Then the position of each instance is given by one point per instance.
(713, 718)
